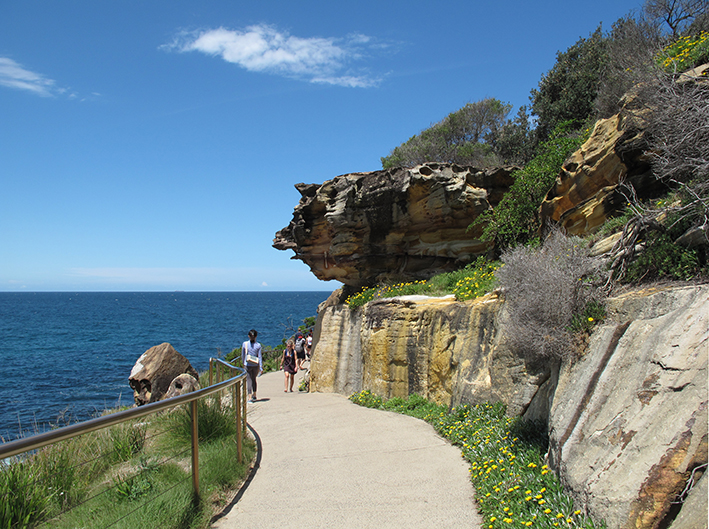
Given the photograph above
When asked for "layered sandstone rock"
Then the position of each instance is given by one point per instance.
(392, 225)
(586, 192)
(445, 350)
(629, 420)
(153, 372)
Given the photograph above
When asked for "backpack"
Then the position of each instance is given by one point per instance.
(299, 345)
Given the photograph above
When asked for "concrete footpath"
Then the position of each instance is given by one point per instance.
(327, 462)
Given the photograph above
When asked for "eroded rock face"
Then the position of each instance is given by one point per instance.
(586, 192)
(445, 350)
(153, 372)
(393, 225)
(629, 419)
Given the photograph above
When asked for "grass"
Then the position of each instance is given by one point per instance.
(470, 282)
(514, 487)
(136, 473)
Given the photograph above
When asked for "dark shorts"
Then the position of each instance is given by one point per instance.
(300, 356)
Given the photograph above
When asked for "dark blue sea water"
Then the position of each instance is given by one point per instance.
(71, 354)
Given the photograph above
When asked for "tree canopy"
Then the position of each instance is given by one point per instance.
(461, 137)
(567, 92)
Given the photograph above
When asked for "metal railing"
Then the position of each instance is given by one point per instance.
(237, 381)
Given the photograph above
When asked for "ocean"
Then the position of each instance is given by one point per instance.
(67, 356)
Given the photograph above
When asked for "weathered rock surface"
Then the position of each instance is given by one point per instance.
(628, 421)
(586, 192)
(448, 351)
(182, 384)
(153, 372)
(392, 225)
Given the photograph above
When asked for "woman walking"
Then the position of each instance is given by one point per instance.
(253, 362)
(288, 364)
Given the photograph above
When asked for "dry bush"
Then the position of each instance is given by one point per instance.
(676, 122)
(544, 288)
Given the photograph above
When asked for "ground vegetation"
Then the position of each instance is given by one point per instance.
(132, 474)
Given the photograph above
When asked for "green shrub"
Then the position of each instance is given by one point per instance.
(125, 440)
(367, 399)
(304, 385)
(685, 53)
(219, 464)
(515, 220)
(23, 499)
(478, 279)
(474, 280)
(662, 259)
(214, 422)
(461, 137)
(593, 314)
(133, 487)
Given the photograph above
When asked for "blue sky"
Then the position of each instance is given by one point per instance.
(154, 145)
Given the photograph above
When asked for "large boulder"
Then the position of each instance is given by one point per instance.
(392, 225)
(153, 372)
(182, 384)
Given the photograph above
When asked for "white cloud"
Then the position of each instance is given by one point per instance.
(262, 48)
(14, 75)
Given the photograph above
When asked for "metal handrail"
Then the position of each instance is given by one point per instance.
(34, 442)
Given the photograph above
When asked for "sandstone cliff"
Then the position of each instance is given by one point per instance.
(627, 422)
(392, 225)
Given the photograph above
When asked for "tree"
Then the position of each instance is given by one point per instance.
(632, 45)
(567, 92)
(461, 137)
(515, 220)
(515, 142)
(677, 14)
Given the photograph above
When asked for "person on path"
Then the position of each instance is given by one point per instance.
(288, 364)
(308, 343)
(300, 349)
(252, 360)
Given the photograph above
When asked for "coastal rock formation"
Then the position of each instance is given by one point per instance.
(153, 372)
(392, 225)
(448, 351)
(627, 421)
(586, 192)
(182, 384)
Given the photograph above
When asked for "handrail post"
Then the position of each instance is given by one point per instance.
(236, 392)
(243, 405)
(211, 380)
(219, 379)
(195, 451)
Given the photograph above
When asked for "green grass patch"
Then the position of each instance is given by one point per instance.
(514, 486)
(134, 474)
